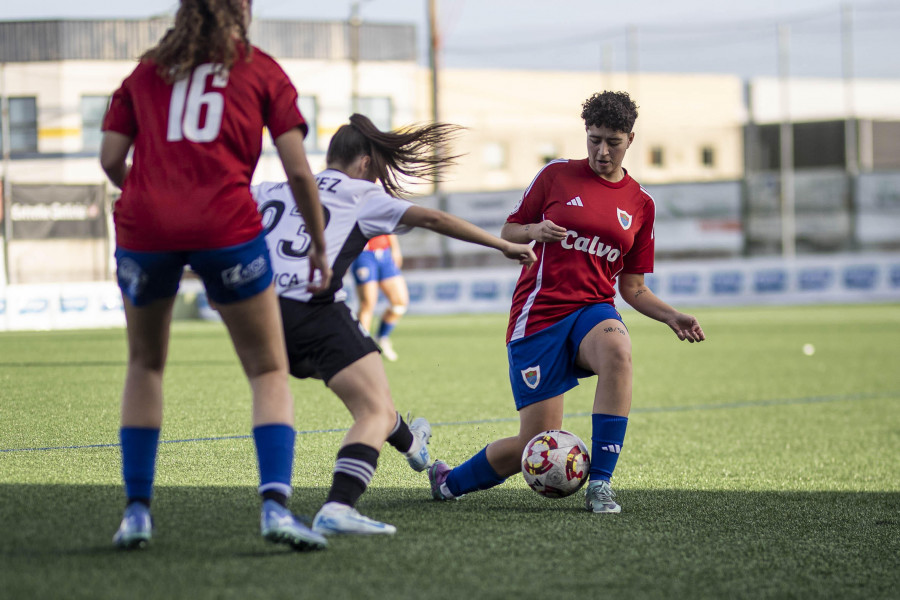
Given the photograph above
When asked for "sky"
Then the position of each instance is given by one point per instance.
(710, 36)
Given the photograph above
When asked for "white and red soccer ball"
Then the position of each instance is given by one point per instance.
(555, 464)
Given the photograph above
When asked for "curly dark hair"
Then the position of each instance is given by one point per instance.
(615, 110)
(205, 31)
(399, 156)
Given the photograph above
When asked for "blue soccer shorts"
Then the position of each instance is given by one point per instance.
(229, 274)
(374, 265)
(542, 365)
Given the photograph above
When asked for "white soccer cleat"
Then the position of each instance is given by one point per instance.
(599, 498)
(417, 456)
(387, 349)
(336, 518)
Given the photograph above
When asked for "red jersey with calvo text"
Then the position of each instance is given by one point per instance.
(610, 230)
(196, 145)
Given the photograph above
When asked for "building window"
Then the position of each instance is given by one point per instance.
(23, 131)
(378, 109)
(309, 108)
(494, 155)
(708, 156)
(656, 156)
(93, 109)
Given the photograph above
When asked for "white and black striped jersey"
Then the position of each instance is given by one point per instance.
(355, 211)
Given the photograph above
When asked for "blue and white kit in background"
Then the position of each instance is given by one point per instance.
(355, 211)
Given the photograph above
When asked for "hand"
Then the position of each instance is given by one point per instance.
(520, 252)
(545, 231)
(686, 327)
(318, 265)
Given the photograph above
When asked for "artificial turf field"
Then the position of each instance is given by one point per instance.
(750, 470)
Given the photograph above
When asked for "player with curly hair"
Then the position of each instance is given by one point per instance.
(592, 225)
(194, 110)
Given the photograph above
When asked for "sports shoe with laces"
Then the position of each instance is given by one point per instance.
(279, 526)
(599, 498)
(437, 475)
(136, 527)
(335, 518)
(417, 455)
(387, 349)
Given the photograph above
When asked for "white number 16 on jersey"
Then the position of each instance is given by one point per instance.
(189, 96)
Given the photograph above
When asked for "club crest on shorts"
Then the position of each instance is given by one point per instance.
(532, 376)
(624, 218)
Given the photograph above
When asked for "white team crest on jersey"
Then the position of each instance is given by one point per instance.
(532, 376)
(624, 218)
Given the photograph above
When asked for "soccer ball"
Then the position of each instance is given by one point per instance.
(555, 464)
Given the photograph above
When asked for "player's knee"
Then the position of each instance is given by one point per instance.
(399, 309)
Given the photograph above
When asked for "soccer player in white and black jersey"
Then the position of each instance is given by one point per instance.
(323, 337)
(592, 224)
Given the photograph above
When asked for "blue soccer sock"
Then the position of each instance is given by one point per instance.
(139, 446)
(606, 444)
(275, 456)
(385, 329)
(474, 474)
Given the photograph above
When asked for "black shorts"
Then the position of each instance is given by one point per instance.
(322, 339)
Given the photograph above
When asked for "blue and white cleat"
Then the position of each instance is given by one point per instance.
(136, 527)
(336, 518)
(417, 456)
(280, 526)
(599, 498)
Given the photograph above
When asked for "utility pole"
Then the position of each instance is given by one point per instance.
(354, 23)
(433, 50)
(851, 136)
(786, 138)
(5, 137)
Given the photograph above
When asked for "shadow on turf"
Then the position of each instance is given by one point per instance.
(58, 520)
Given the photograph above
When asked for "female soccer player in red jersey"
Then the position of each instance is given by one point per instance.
(592, 224)
(194, 110)
(378, 268)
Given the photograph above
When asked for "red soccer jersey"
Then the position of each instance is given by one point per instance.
(610, 230)
(196, 144)
(379, 242)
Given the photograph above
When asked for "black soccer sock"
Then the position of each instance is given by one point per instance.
(353, 471)
(401, 437)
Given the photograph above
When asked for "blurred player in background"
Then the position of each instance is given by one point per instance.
(194, 111)
(324, 339)
(378, 267)
(592, 223)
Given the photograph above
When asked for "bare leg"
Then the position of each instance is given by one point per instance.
(368, 297)
(148, 341)
(363, 388)
(505, 455)
(256, 331)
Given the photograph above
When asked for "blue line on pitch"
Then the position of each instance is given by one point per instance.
(660, 409)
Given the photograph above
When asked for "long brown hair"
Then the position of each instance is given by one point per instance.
(205, 31)
(399, 156)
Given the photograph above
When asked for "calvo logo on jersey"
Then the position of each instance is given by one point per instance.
(532, 376)
(625, 219)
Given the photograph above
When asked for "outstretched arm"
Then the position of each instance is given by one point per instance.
(452, 226)
(636, 293)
